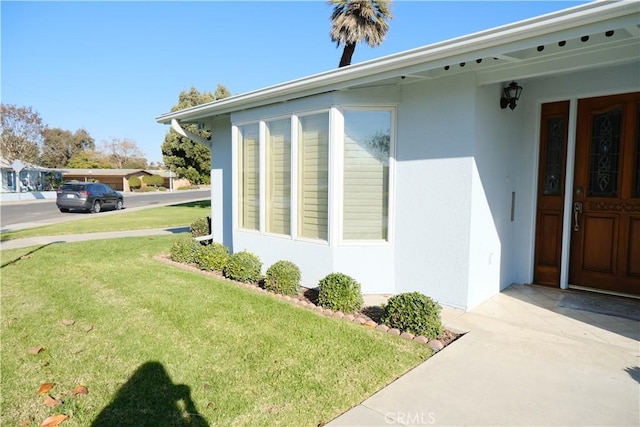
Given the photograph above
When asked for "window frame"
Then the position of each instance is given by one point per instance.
(339, 193)
(263, 180)
(235, 158)
(330, 111)
(335, 178)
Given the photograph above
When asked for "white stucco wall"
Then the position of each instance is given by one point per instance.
(494, 174)
(459, 158)
(221, 197)
(433, 191)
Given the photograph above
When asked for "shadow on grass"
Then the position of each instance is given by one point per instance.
(150, 398)
(25, 256)
(204, 204)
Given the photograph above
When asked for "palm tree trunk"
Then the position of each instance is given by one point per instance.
(347, 53)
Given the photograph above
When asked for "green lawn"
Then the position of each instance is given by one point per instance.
(165, 343)
(160, 217)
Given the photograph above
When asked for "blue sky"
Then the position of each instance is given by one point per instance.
(112, 67)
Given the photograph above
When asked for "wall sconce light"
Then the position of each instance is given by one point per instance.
(510, 95)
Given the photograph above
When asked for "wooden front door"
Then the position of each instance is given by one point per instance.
(554, 125)
(605, 223)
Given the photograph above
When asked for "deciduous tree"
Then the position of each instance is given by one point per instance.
(124, 153)
(60, 146)
(21, 136)
(89, 160)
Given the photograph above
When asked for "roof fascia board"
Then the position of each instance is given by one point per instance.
(568, 21)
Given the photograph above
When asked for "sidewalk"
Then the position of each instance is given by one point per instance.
(47, 240)
(525, 361)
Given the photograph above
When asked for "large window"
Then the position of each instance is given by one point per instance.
(278, 177)
(313, 176)
(367, 144)
(249, 177)
(283, 175)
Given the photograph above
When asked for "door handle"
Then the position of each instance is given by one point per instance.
(577, 210)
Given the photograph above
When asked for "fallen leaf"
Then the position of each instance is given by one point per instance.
(87, 328)
(52, 402)
(45, 387)
(68, 322)
(36, 350)
(54, 420)
(80, 389)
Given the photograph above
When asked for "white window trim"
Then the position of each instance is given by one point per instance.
(235, 146)
(263, 178)
(295, 177)
(339, 193)
(262, 185)
(293, 221)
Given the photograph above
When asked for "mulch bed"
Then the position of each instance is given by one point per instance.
(308, 297)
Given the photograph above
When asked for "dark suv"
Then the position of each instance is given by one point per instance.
(88, 196)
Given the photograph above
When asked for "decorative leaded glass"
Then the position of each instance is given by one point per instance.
(636, 192)
(555, 156)
(604, 158)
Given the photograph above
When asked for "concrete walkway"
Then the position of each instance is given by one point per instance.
(47, 240)
(526, 361)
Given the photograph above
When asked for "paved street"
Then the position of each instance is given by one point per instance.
(28, 213)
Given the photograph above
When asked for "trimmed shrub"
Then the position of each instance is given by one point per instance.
(153, 180)
(340, 292)
(283, 277)
(413, 312)
(200, 227)
(134, 183)
(243, 267)
(212, 257)
(184, 249)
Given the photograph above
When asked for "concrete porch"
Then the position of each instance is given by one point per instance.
(526, 360)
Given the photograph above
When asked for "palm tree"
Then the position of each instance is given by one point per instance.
(353, 21)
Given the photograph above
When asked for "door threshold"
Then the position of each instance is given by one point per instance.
(604, 292)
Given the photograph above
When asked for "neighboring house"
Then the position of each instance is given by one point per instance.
(31, 177)
(116, 178)
(119, 178)
(171, 180)
(405, 172)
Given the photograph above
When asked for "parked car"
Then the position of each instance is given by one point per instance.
(88, 196)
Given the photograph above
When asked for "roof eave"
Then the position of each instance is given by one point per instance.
(567, 19)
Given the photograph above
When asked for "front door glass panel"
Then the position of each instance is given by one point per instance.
(555, 156)
(605, 154)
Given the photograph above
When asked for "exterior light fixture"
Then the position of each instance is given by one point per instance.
(510, 95)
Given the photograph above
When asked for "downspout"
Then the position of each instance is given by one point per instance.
(175, 125)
